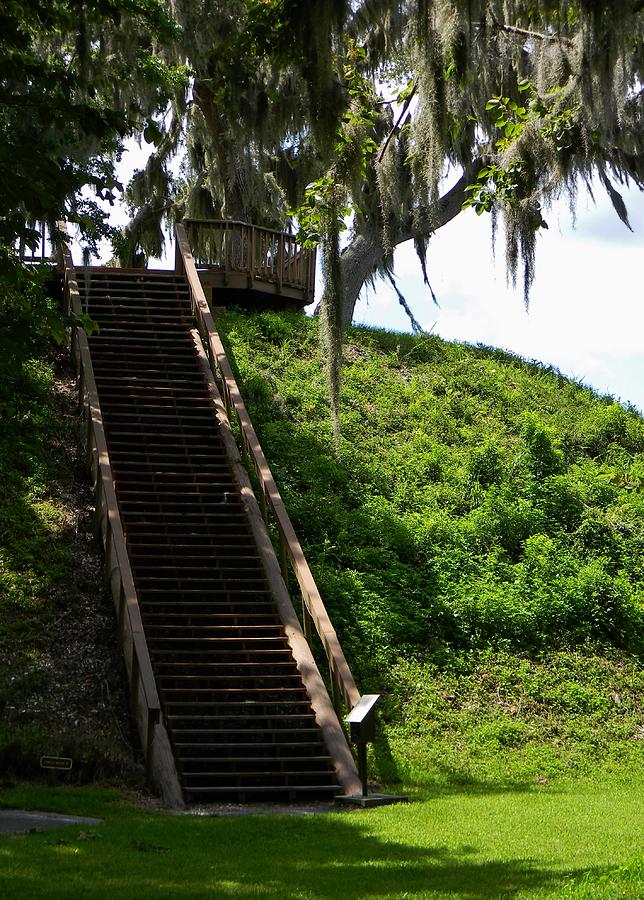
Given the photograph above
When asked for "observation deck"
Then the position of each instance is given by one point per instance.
(238, 264)
(247, 265)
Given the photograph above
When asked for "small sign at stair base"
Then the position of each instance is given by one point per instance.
(63, 763)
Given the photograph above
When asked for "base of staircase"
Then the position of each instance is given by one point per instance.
(367, 801)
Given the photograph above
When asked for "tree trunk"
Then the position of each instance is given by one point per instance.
(234, 205)
(365, 253)
(358, 261)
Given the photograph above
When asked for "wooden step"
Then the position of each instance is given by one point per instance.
(238, 716)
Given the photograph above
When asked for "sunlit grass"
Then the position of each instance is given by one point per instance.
(578, 841)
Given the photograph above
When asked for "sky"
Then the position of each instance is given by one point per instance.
(586, 313)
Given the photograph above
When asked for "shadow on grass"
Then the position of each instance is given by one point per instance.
(424, 792)
(316, 857)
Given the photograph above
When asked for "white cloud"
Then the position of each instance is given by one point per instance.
(587, 304)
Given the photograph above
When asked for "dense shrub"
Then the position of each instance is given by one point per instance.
(474, 499)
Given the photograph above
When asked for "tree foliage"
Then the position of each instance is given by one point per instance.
(67, 98)
(334, 116)
(76, 78)
(332, 113)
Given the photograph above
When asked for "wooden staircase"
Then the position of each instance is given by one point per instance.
(237, 713)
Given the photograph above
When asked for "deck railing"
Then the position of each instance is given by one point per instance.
(41, 249)
(262, 254)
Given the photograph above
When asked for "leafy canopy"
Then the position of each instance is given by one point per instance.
(350, 115)
(335, 116)
(67, 100)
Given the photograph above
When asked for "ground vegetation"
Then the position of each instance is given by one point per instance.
(477, 536)
(579, 842)
(62, 681)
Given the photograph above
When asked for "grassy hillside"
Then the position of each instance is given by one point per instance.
(478, 537)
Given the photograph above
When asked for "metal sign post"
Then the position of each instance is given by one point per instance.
(362, 723)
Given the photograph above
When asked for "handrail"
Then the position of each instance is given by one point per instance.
(313, 608)
(39, 253)
(193, 221)
(141, 676)
(262, 254)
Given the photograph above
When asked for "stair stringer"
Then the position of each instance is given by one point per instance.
(325, 714)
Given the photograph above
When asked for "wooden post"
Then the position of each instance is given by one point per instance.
(81, 389)
(134, 680)
(120, 615)
(284, 557)
(280, 262)
(251, 257)
(178, 261)
(149, 744)
(306, 623)
(262, 499)
(362, 767)
(311, 255)
(335, 690)
(89, 457)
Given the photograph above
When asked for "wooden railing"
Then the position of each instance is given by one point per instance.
(42, 250)
(231, 407)
(144, 698)
(313, 609)
(262, 254)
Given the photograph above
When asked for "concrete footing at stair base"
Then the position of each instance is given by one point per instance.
(367, 801)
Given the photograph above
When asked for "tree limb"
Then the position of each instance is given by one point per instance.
(365, 254)
(524, 32)
(398, 121)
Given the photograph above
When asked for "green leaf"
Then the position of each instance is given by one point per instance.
(152, 133)
(57, 328)
(87, 323)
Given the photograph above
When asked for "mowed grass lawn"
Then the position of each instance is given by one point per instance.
(578, 839)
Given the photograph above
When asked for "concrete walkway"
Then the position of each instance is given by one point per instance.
(17, 820)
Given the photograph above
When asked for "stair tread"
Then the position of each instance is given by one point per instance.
(264, 789)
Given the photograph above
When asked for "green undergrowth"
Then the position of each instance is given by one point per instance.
(579, 841)
(477, 535)
(34, 557)
(61, 691)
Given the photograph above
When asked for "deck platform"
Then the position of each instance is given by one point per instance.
(238, 264)
(244, 265)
